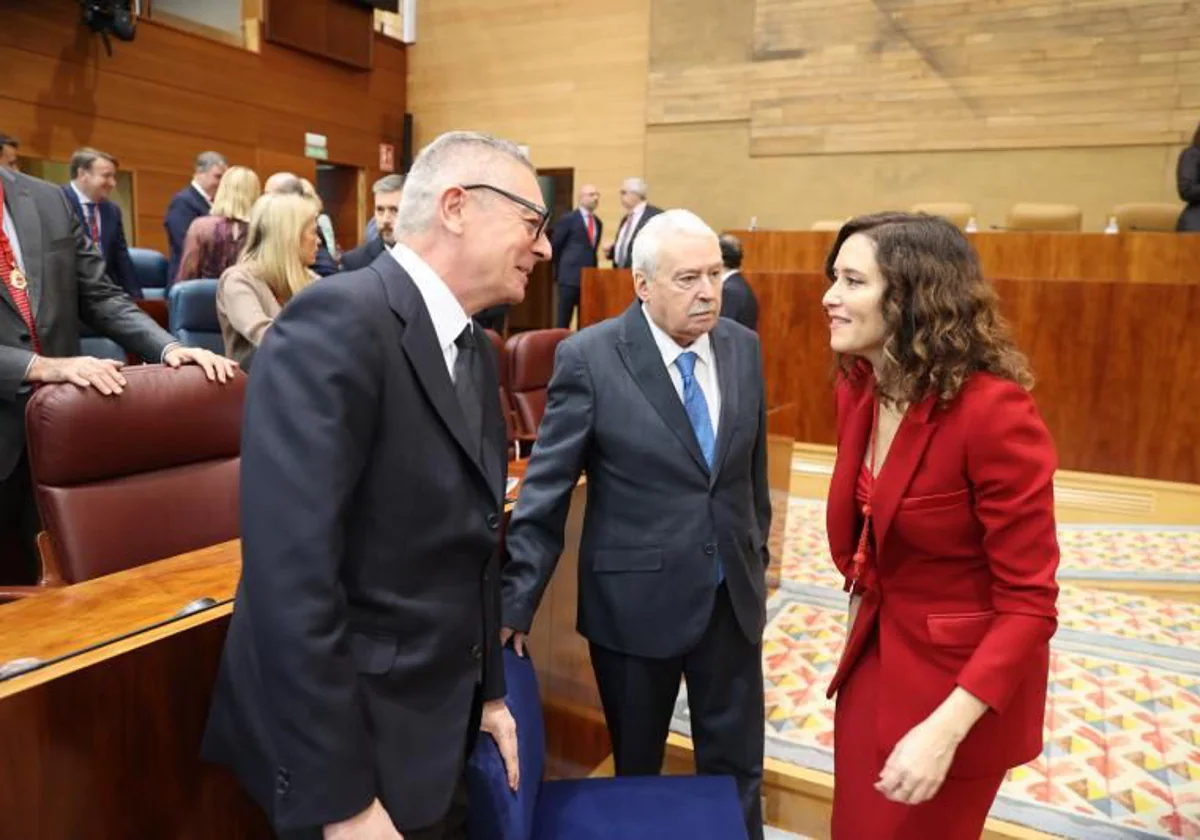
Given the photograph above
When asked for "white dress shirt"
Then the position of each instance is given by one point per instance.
(705, 372)
(203, 194)
(84, 201)
(449, 318)
(725, 275)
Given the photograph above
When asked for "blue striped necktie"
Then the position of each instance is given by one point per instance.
(696, 407)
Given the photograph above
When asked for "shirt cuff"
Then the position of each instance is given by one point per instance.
(29, 367)
(162, 359)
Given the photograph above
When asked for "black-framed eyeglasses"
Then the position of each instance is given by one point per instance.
(542, 213)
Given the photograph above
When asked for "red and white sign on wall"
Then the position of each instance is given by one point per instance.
(387, 157)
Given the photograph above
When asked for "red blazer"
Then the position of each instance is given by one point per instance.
(965, 566)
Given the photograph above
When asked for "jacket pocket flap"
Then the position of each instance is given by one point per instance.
(959, 629)
(936, 500)
(628, 560)
(372, 654)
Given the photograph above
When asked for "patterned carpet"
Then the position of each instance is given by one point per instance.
(1122, 754)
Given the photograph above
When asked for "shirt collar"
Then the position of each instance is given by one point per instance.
(671, 351)
(83, 199)
(449, 318)
(203, 194)
(729, 272)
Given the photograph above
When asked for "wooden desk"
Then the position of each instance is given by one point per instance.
(1117, 386)
(1154, 258)
(105, 744)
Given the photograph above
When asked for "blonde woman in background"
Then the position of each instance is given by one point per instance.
(280, 245)
(213, 242)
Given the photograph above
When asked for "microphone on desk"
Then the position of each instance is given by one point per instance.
(16, 667)
(199, 605)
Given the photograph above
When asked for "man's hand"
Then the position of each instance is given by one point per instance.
(498, 722)
(85, 371)
(518, 638)
(216, 368)
(372, 824)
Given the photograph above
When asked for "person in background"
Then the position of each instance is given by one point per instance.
(575, 238)
(387, 191)
(94, 177)
(665, 408)
(286, 182)
(364, 655)
(738, 301)
(1188, 176)
(637, 212)
(281, 243)
(190, 203)
(941, 519)
(8, 152)
(214, 242)
(39, 343)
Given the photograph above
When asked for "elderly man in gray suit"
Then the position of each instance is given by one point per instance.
(664, 407)
(53, 279)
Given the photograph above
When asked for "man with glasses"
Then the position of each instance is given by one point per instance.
(364, 655)
(665, 408)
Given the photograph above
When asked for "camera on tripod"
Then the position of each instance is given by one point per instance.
(111, 17)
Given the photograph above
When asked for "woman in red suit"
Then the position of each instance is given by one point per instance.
(941, 518)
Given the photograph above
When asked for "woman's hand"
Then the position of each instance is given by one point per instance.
(915, 770)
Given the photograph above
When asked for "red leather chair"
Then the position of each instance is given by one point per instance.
(122, 481)
(506, 403)
(531, 364)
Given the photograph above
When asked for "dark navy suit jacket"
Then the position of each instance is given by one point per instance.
(186, 206)
(112, 243)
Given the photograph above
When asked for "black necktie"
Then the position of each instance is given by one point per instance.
(467, 376)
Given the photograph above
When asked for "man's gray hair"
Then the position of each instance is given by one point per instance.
(661, 228)
(388, 184)
(454, 158)
(207, 160)
(637, 186)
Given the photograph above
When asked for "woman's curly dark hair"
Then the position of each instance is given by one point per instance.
(943, 320)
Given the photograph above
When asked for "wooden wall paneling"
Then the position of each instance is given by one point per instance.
(333, 29)
(170, 94)
(1142, 257)
(1116, 381)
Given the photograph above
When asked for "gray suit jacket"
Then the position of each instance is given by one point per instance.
(67, 285)
(657, 519)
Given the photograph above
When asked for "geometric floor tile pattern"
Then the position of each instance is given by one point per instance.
(1122, 744)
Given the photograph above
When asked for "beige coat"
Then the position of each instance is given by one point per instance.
(245, 308)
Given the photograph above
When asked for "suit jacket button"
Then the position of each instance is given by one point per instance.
(476, 652)
(710, 548)
(493, 521)
(25, 337)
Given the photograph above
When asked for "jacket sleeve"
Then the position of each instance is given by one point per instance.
(106, 307)
(762, 486)
(1010, 464)
(1188, 175)
(242, 307)
(535, 533)
(122, 267)
(310, 413)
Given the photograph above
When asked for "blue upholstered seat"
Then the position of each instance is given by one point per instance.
(150, 267)
(628, 808)
(192, 308)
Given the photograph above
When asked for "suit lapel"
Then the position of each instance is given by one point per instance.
(897, 472)
(645, 363)
(727, 382)
(420, 344)
(29, 233)
(494, 459)
(842, 518)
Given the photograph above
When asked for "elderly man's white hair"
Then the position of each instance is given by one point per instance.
(659, 230)
(456, 157)
(637, 186)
